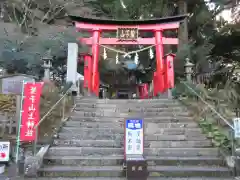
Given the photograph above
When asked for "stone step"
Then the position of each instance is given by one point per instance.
(81, 151)
(189, 171)
(123, 178)
(163, 131)
(130, 109)
(128, 105)
(118, 160)
(154, 119)
(149, 137)
(126, 101)
(81, 171)
(121, 124)
(126, 115)
(119, 144)
(117, 171)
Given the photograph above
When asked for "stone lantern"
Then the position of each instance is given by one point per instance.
(188, 69)
(47, 64)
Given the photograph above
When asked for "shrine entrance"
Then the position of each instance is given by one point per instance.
(129, 33)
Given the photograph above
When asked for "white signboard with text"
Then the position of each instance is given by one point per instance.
(236, 122)
(134, 137)
(4, 151)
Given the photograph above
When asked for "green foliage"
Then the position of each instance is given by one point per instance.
(23, 54)
(227, 45)
(130, 9)
(199, 100)
(219, 139)
(66, 87)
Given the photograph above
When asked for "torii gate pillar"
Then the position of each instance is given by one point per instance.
(159, 62)
(95, 58)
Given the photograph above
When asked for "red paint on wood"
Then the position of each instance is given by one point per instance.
(169, 71)
(142, 41)
(147, 27)
(143, 90)
(159, 61)
(160, 80)
(155, 84)
(87, 61)
(90, 70)
(95, 56)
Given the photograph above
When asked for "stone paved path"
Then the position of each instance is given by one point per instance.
(97, 178)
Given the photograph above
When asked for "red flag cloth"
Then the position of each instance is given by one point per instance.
(30, 110)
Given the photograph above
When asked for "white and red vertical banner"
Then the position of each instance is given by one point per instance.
(30, 110)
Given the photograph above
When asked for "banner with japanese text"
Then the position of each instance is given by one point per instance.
(30, 110)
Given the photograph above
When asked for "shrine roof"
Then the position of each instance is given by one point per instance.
(164, 20)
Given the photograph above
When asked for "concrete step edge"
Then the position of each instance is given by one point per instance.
(121, 157)
(123, 178)
(62, 168)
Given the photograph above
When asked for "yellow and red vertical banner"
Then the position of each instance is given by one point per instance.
(30, 110)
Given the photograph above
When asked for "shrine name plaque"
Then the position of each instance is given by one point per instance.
(127, 34)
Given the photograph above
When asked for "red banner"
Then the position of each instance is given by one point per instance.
(30, 110)
(169, 71)
(86, 72)
(143, 91)
(155, 84)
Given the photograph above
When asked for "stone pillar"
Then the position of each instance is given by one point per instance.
(47, 65)
(188, 70)
(72, 65)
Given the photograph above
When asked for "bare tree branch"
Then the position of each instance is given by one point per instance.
(15, 15)
(25, 13)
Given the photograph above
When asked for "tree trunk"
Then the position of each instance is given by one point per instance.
(183, 31)
(182, 36)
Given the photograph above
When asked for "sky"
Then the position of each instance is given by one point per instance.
(226, 14)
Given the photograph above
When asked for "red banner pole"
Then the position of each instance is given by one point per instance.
(86, 73)
(159, 61)
(155, 84)
(166, 74)
(145, 90)
(95, 55)
(90, 68)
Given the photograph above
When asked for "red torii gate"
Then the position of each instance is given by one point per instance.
(130, 31)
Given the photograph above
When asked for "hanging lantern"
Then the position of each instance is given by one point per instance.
(117, 59)
(136, 58)
(104, 54)
(151, 55)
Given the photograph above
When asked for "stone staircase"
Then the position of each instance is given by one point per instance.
(90, 144)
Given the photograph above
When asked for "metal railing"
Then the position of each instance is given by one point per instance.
(214, 112)
(63, 108)
(209, 105)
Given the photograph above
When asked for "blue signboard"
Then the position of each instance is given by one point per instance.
(134, 137)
